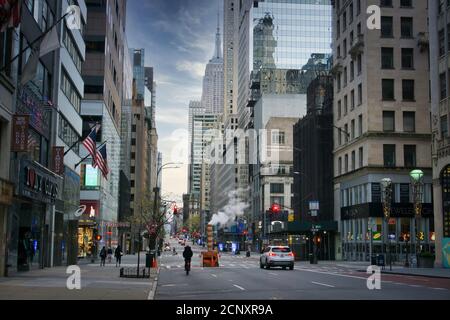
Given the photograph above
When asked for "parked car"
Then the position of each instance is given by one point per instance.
(277, 256)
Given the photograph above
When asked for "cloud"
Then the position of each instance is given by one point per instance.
(172, 116)
(196, 69)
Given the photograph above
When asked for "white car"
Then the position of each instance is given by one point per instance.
(277, 256)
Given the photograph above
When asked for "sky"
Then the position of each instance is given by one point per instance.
(178, 37)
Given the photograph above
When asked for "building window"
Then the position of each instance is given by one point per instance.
(276, 188)
(407, 58)
(353, 160)
(409, 155)
(405, 3)
(344, 45)
(345, 77)
(68, 134)
(350, 16)
(6, 41)
(352, 70)
(69, 90)
(360, 94)
(388, 121)
(358, 7)
(339, 137)
(346, 133)
(387, 27)
(346, 163)
(338, 29)
(389, 155)
(339, 109)
(387, 58)
(408, 90)
(359, 64)
(360, 157)
(340, 165)
(339, 82)
(352, 129)
(441, 42)
(345, 105)
(443, 86)
(406, 27)
(278, 137)
(444, 127)
(360, 128)
(352, 100)
(278, 200)
(385, 3)
(69, 43)
(387, 89)
(409, 121)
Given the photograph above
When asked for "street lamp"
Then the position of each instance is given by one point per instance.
(156, 189)
(386, 183)
(417, 186)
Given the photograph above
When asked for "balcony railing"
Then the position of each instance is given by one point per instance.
(357, 46)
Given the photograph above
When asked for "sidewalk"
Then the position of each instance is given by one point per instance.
(97, 283)
(361, 266)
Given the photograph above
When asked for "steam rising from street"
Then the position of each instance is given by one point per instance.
(234, 208)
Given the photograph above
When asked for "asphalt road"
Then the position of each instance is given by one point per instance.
(239, 277)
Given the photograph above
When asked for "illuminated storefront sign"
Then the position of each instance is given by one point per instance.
(91, 176)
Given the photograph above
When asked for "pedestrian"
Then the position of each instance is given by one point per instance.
(103, 256)
(110, 252)
(118, 254)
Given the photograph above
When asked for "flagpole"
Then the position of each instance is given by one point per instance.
(76, 165)
(81, 138)
(7, 65)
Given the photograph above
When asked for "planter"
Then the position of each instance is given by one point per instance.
(425, 262)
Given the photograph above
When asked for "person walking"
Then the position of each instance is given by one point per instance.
(103, 256)
(110, 252)
(118, 254)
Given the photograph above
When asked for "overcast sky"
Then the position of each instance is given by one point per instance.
(178, 37)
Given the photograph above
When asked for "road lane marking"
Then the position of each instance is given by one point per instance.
(215, 276)
(239, 287)
(274, 274)
(416, 286)
(439, 288)
(323, 284)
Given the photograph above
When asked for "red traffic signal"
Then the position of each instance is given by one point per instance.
(275, 208)
(175, 210)
(98, 237)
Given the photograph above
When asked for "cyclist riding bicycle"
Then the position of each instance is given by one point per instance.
(187, 255)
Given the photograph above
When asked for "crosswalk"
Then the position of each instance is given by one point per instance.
(224, 265)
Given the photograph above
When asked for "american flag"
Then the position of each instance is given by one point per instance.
(101, 161)
(90, 144)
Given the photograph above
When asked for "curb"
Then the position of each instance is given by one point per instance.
(151, 294)
(410, 274)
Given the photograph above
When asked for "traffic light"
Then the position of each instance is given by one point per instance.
(98, 237)
(175, 210)
(275, 208)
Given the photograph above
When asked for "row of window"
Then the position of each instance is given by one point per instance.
(352, 102)
(387, 58)
(348, 136)
(388, 89)
(353, 162)
(70, 91)
(409, 121)
(389, 158)
(342, 77)
(68, 134)
(71, 47)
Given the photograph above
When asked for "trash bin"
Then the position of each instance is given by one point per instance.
(149, 259)
(380, 260)
(312, 259)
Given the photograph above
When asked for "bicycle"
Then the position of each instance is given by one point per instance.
(187, 266)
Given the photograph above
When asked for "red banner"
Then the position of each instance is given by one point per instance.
(20, 133)
(58, 160)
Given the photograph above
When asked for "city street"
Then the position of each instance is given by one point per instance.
(239, 277)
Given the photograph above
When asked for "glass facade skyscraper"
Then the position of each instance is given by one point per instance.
(287, 32)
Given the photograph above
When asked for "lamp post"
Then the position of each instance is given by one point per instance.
(386, 183)
(417, 191)
(156, 189)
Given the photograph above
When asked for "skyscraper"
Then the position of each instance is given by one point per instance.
(212, 94)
